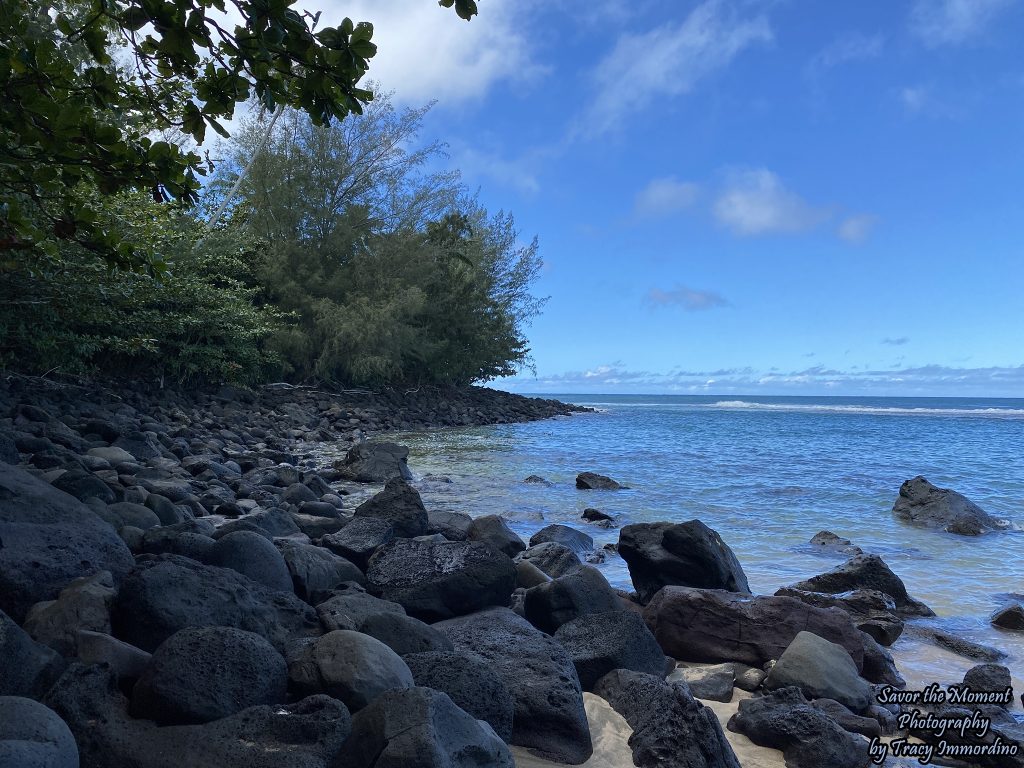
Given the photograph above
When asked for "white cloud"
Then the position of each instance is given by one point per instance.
(669, 60)
(914, 99)
(954, 22)
(855, 229)
(426, 52)
(665, 196)
(689, 299)
(755, 202)
(514, 174)
(851, 47)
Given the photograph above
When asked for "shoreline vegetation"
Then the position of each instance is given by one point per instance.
(183, 583)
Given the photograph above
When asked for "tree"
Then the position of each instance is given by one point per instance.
(70, 117)
(392, 272)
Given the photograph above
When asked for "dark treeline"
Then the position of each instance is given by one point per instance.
(342, 258)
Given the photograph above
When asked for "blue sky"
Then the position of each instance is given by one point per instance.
(741, 196)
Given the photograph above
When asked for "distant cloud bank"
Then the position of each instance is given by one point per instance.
(934, 380)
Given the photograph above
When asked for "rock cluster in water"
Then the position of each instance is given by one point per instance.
(179, 587)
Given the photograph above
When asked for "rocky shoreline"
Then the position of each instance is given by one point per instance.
(182, 584)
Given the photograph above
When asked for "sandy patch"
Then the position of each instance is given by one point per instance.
(609, 732)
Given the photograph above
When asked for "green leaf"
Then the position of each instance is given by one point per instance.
(134, 18)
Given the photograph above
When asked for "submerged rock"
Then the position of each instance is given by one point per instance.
(921, 503)
(1009, 617)
(592, 481)
(866, 572)
(681, 554)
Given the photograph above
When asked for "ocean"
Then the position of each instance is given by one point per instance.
(768, 473)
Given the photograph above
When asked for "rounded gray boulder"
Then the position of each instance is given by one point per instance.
(203, 674)
(34, 736)
(254, 556)
(352, 667)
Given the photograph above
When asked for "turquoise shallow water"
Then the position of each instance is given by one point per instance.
(767, 474)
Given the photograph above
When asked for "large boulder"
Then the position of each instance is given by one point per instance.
(307, 734)
(439, 580)
(129, 513)
(49, 539)
(399, 504)
(316, 572)
(923, 504)
(375, 463)
(1009, 617)
(126, 661)
(551, 604)
(254, 556)
(471, 684)
(84, 486)
(591, 481)
(206, 673)
(404, 634)
(873, 612)
(671, 729)
(420, 728)
(359, 539)
(351, 606)
(493, 530)
(83, 604)
(577, 541)
(600, 642)
(552, 558)
(350, 666)
(27, 668)
(713, 682)
(454, 526)
(807, 737)
(33, 736)
(714, 625)
(164, 594)
(681, 554)
(549, 715)
(866, 572)
(822, 670)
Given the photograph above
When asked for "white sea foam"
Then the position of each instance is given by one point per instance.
(1007, 413)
